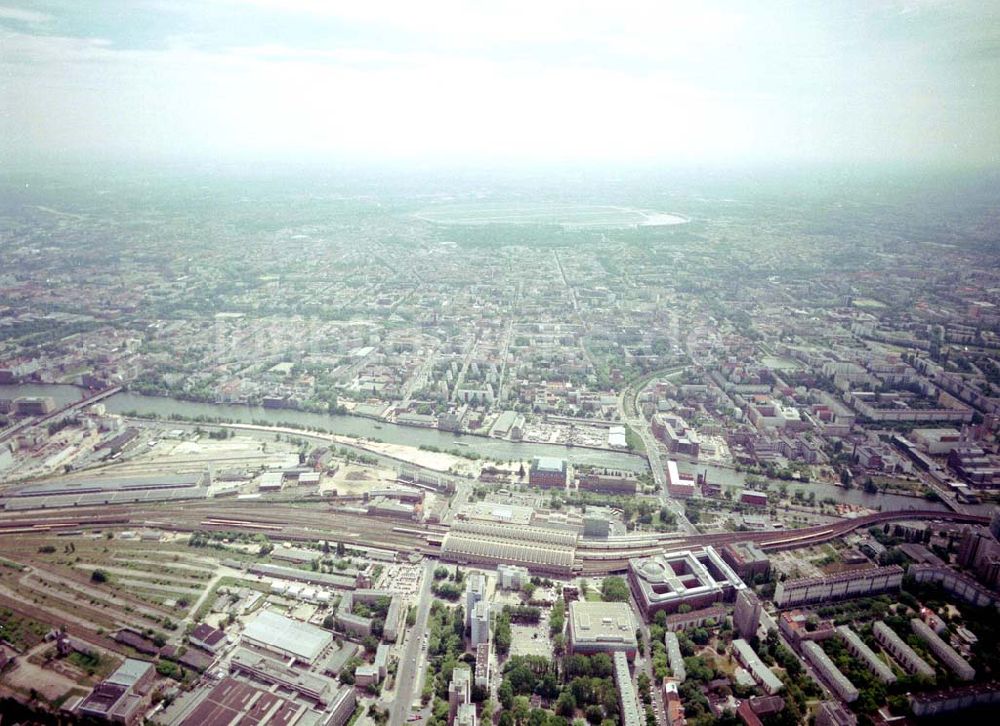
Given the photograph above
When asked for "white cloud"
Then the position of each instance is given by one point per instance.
(24, 16)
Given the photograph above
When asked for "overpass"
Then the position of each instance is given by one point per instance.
(59, 413)
(608, 559)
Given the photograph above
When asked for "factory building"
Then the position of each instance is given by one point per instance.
(837, 681)
(121, 697)
(601, 627)
(313, 686)
(904, 654)
(859, 583)
(860, 650)
(685, 577)
(286, 638)
(942, 651)
(757, 668)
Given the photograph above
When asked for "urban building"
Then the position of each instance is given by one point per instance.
(539, 549)
(942, 651)
(957, 583)
(685, 577)
(475, 591)
(512, 577)
(679, 485)
(746, 616)
(466, 715)
(601, 627)
(631, 715)
(672, 704)
(482, 672)
(756, 667)
(608, 481)
(803, 625)
(837, 681)
(674, 658)
(860, 650)
(949, 700)
(313, 686)
(207, 638)
(459, 690)
(286, 638)
(714, 615)
(903, 653)
(480, 626)
(547, 472)
(121, 697)
(834, 713)
(857, 583)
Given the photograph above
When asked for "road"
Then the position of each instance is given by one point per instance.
(630, 414)
(408, 674)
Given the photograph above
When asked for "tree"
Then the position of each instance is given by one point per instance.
(566, 704)
(614, 589)
(506, 695)
(98, 576)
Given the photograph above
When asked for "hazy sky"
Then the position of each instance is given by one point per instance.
(815, 80)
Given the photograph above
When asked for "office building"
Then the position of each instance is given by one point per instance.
(696, 578)
(512, 577)
(746, 616)
(747, 559)
(475, 591)
(459, 690)
(480, 626)
(601, 627)
(547, 472)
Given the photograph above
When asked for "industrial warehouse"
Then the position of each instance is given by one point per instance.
(107, 490)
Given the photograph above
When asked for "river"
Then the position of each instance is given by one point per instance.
(358, 426)
(485, 447)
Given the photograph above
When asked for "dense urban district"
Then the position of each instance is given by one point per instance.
(321, 449)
